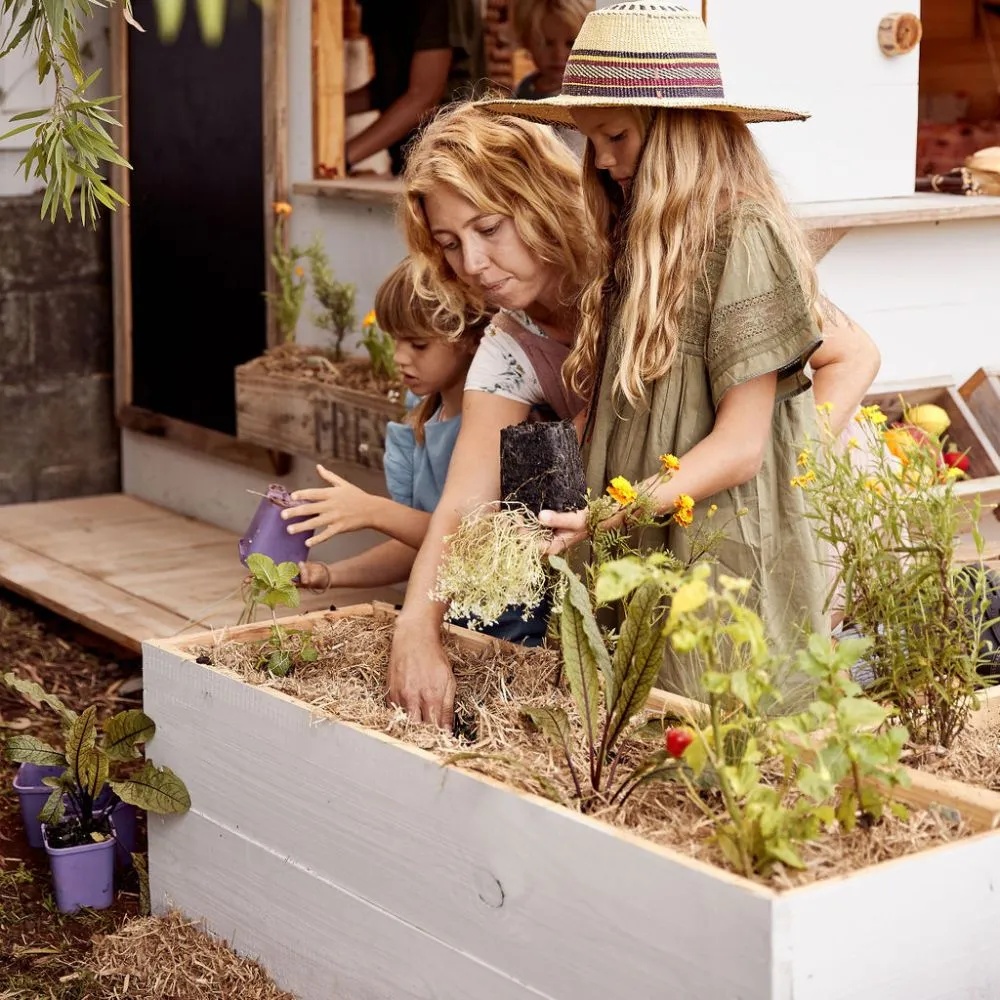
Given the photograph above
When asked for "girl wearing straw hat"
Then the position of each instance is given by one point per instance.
(695, 333)
(494, 217)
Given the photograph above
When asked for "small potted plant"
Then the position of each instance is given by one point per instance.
(78, 829)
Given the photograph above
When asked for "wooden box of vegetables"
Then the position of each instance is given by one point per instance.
(933, 412)
(355, 865)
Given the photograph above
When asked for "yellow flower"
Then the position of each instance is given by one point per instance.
(683, 516)
(953, 473)
(713, 510)
(803, 459)
(669, 463)
(824, 407)
(872, 414)
(370, 319)
(852, 442)
(282, 208)
(875, 485)
(622, 491)
(685, 502)
(800, 482)
(299, 272)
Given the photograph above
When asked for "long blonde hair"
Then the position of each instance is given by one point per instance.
(654, 245)
(504, 166)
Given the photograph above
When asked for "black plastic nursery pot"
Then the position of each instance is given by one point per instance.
(541, 467)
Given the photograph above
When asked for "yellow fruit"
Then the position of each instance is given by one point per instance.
(929, 418)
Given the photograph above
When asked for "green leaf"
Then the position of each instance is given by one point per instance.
(552, 722)
(636, 640)
(31, 750)
(279, 663)
(287, 571)
(54, 809)
(634, 686)
(696, 754)
(155, 789)
(619, 578)
(80, 741)
(263, 569)
(92, 773)
(309, 654)
(783, 851)
(583, 650)
(35, 692)
(898, 810)
(142, 870)
(125, 731)
(860, 713)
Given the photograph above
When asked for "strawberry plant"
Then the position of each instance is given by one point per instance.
(272, 586)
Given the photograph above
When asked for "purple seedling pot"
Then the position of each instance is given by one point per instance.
(267, 533)
(33, 795)
(82, 876)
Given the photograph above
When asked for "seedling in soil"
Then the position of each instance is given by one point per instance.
(272, 586)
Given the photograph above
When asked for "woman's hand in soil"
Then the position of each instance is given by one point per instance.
(333, 510)
(420, 678)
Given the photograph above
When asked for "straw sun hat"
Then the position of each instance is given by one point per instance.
(653, 55)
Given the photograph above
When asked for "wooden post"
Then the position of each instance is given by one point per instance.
(328, 88)
(275, 112)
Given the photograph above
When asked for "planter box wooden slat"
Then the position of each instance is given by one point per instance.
(981, 392)
(355, 866)
(312, 419)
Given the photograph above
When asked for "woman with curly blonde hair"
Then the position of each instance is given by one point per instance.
(494, 219)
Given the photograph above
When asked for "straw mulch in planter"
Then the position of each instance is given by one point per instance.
(974, 757)
(347, 682)
(316, 365)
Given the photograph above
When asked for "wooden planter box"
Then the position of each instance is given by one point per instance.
(313, 419)
(981, 393)
(355, 866)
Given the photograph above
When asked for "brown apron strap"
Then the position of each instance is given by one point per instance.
(546, 357)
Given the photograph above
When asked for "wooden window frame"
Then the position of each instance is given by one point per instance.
(205, 440)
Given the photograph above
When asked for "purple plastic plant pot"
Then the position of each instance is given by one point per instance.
(123, 822)
(267, 533)
(82, 876)
(33, 794)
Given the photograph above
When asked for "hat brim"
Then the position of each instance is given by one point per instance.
(559, 110)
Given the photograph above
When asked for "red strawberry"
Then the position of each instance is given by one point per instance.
(678, 740)
(957, 460)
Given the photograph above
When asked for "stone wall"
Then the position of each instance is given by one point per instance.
(58, 436)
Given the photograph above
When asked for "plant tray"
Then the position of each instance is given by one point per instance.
(313, 419)
(355, 866)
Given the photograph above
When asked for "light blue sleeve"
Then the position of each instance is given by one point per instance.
(400, 445)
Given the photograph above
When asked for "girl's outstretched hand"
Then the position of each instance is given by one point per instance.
(568, 529)
(336, 509)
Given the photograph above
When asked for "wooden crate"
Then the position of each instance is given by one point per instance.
(355, 866)
(312, 419)
(981, 393)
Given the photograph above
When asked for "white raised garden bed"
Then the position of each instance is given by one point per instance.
(355, 866)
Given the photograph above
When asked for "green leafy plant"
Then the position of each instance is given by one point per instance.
(72, 143)
(272, 586)
(781, 781)
(289, 273)
(89, 753)
(888, 510)
(380, 347)
(336, 300)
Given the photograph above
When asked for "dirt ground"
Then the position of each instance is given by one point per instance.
(46, 955)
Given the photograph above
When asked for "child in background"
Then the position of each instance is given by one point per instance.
(547, 29)
(433, 366)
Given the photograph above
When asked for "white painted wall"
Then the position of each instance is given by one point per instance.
(20, 91)
(926, 292)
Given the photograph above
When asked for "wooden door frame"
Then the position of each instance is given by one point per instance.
(205, 440)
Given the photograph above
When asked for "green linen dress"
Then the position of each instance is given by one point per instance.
(750, 318)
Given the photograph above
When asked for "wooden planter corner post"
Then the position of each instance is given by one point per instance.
(355, 866)
(981, 393)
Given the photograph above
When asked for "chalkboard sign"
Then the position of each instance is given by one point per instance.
(196, 217)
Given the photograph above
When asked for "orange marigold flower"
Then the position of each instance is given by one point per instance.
(685, 502)
(282, 208)
(622, 491)
(299, 272)
(370, 318)
(683, 516)
(669, 463)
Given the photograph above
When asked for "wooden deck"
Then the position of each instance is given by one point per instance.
(130, 570)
